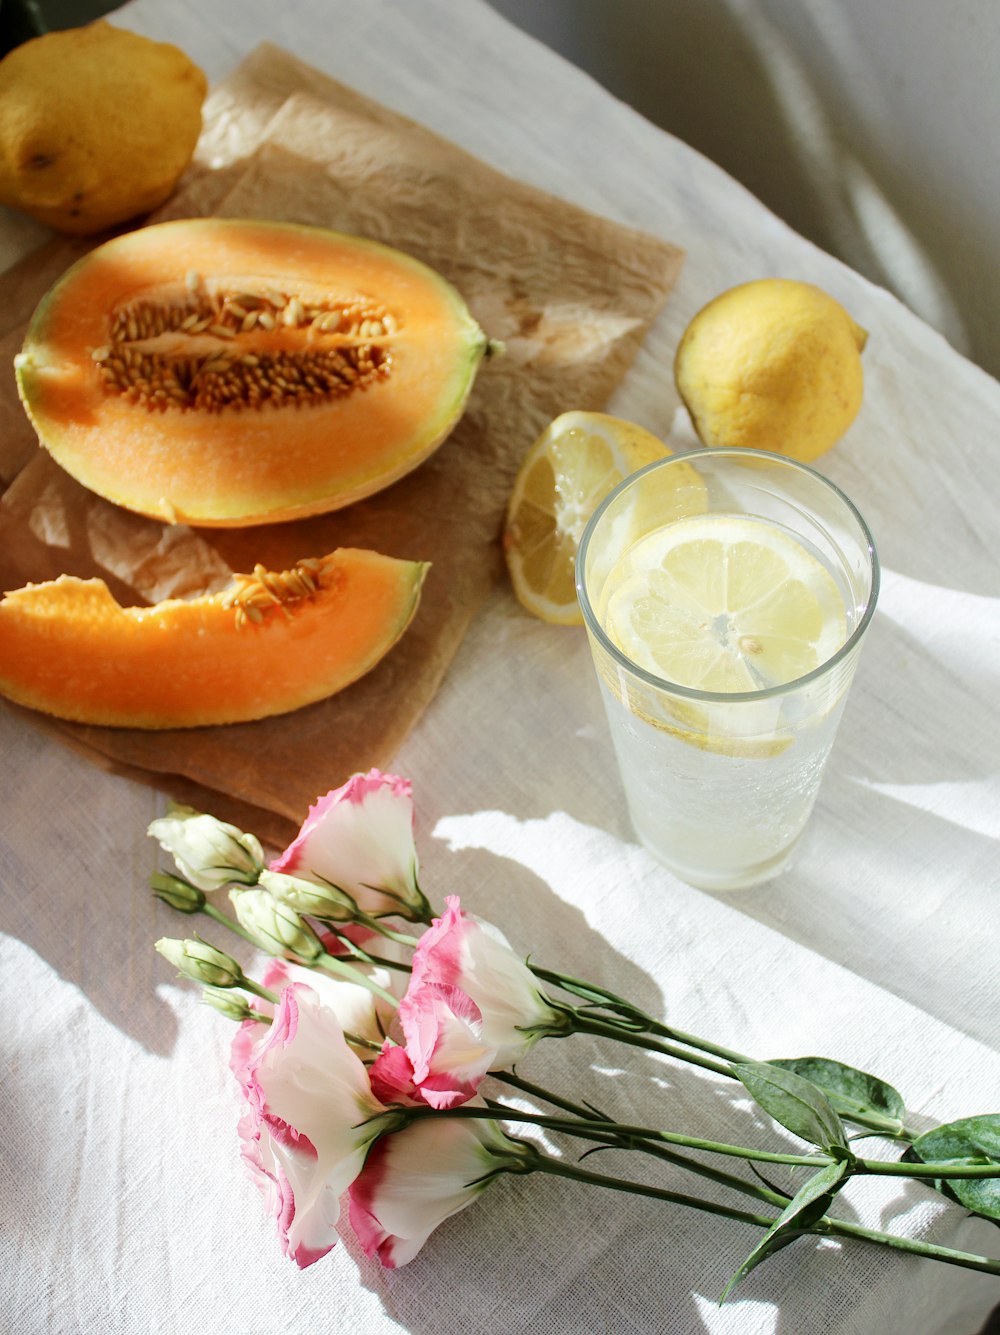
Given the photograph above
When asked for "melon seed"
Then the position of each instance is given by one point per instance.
(150, 358)
(265, 590)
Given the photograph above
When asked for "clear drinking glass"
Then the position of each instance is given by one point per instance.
(720, 784)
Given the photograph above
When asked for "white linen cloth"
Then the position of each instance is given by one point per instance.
(125, 1208)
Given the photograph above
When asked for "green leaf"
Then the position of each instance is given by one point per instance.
(797, 1104)
(971, 1140)
(808, 1205)
(849, 1090)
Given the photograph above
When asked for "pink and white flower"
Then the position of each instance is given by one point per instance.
(472, 1005)
(445, 1056)
(364, 1016)
(359, 838)
(309, 1119)
(462, 951)
(416, 1178)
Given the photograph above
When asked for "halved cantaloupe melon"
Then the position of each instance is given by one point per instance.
(267, 644)
(226, 372)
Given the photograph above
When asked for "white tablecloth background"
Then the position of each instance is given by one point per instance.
(124, 1206)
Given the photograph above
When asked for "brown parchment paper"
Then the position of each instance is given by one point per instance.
(569, 295)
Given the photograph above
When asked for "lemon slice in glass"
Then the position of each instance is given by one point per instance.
(577, 460)
(724, 603)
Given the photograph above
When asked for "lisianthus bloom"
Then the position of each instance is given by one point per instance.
(364, 1016)
(310, 1119)
(472, 1005)
(209, 852)
(359, 838)
(416, 1178)
(445, 1055)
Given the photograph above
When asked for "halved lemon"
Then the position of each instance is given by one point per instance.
(577, 460)
(724, 603)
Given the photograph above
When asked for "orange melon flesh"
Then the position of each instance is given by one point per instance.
(67, 648)
(247, 465)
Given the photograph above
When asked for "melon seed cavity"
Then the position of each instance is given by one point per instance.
(189, 348)
(254, 596)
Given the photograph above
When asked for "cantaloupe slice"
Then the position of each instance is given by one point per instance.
(224, 372)
(267, 644)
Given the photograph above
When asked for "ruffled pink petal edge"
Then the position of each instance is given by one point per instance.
(354, 791)
(439, 953)
(390, 1250)
(247, 1054)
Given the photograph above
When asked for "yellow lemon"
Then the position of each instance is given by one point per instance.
(96, 125)
(577, 460)
(774, 365)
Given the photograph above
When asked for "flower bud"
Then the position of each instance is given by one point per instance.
(321, 901)
(230, 1004)
(208, 852)
(177, 892)
(203, 963)
(276, 927)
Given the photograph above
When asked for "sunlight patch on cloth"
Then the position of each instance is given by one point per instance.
(964, 803)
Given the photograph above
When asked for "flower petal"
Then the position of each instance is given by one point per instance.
(304, 1136)
(416, 1178)
(359, 837)
(392, 1075)
(462, 951)
(443, 1027)
(362, 1014)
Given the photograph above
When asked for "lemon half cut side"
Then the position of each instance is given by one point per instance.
(724, 603)
(578, 459)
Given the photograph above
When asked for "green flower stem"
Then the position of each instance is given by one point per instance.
(824, 1227)
(589, 1024)
(341, 969)
(693, 1041)
(889, 1127)
(885, 1126)
(223, 919)
(358, 1041)
(603, 1128)
(543, 1163)
(611, 999)
(260, 991)
(943, 1168)
(650, 1147)
(827, 1227)
(378, 925)
(366, 957)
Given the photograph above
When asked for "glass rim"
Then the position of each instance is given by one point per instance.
(726, 697)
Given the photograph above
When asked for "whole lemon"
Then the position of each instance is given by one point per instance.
(773, 364)
(96, 125)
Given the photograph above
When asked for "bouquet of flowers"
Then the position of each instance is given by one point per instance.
(363, 1048)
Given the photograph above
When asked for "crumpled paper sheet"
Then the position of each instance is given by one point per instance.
(570, 296)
